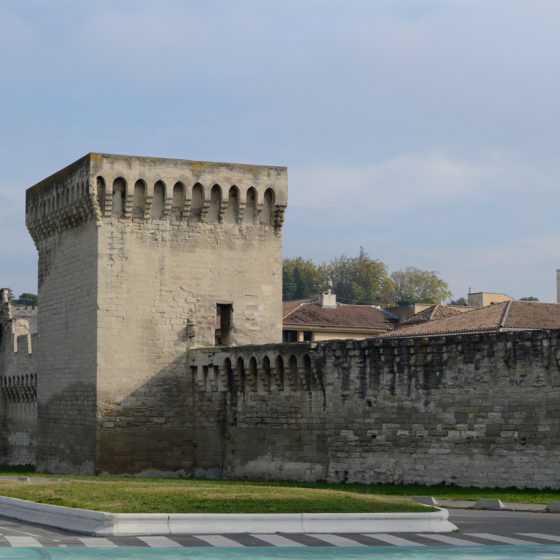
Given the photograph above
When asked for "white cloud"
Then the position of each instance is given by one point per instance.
(521, 253)
(521, 266)
(402, 184)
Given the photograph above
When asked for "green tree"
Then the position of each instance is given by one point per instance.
(359, 279)
(458, 301)
(413, 285)
(27, 299)
(529, 298)
(301, 279)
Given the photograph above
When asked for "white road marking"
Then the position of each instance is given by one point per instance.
(542, 536)
(28, 542)
(448, 540)
(97, 542)
(335, 539)
(391, 539)
(218, 540)
(498, 538)
(163, 542)
(276, 540)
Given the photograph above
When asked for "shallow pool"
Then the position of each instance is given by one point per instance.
(297, 553)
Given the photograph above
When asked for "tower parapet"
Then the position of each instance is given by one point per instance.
(193, 192)
(61, 201)
(101, 186)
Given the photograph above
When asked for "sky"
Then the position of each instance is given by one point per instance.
(425, 131)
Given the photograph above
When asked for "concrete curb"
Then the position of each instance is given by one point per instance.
(507, 506)
(489, 504)
(116, 524)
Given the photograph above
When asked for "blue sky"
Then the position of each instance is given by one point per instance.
(426, 131)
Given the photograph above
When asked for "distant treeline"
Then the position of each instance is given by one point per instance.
(24, 299)
(362, 279)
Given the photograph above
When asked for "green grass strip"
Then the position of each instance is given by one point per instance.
(164, 495)
(140, 495)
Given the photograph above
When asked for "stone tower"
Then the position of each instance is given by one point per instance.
(141, 259)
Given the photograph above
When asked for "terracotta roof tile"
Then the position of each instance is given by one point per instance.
(432, 313)
(292, 305)
(497, 317)
(478, 320)
(533, 315)
(348, 316)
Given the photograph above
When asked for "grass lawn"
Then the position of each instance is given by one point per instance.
(141, 495)
(158, 495)
(452, 492)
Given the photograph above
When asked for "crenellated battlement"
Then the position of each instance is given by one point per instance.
(104, 186)
(19, 388)
(478, 410)
(267, 368)
(60, 201)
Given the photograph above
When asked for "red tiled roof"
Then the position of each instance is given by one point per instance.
(533, 315)
(433, 313)
(309, 313)
(493, 318)
(289, 306)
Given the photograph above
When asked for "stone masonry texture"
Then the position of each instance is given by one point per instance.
(480, 410)
(158, 348)
(18, 386)
(135, 257)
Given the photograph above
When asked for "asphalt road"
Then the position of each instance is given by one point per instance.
(504, 522)
(475, 527)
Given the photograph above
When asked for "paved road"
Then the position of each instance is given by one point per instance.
(505, 522)
(476, 527)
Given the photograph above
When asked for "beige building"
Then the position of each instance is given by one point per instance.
(325, 319)
(482, 299)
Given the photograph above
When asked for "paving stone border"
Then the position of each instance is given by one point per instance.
(488, 503)
(120, 524)
(492, 504)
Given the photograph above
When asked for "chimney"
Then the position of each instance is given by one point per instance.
(327, 299)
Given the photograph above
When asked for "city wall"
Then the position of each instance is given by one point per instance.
(480, 410)
(155, 274)
(18, 386)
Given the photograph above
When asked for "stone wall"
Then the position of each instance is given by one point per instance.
(67, 350)
(144, 261)
(480, 410)
(62, 220)
(184, 238)
(18, 387)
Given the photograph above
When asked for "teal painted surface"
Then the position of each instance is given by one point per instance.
(530, 552)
